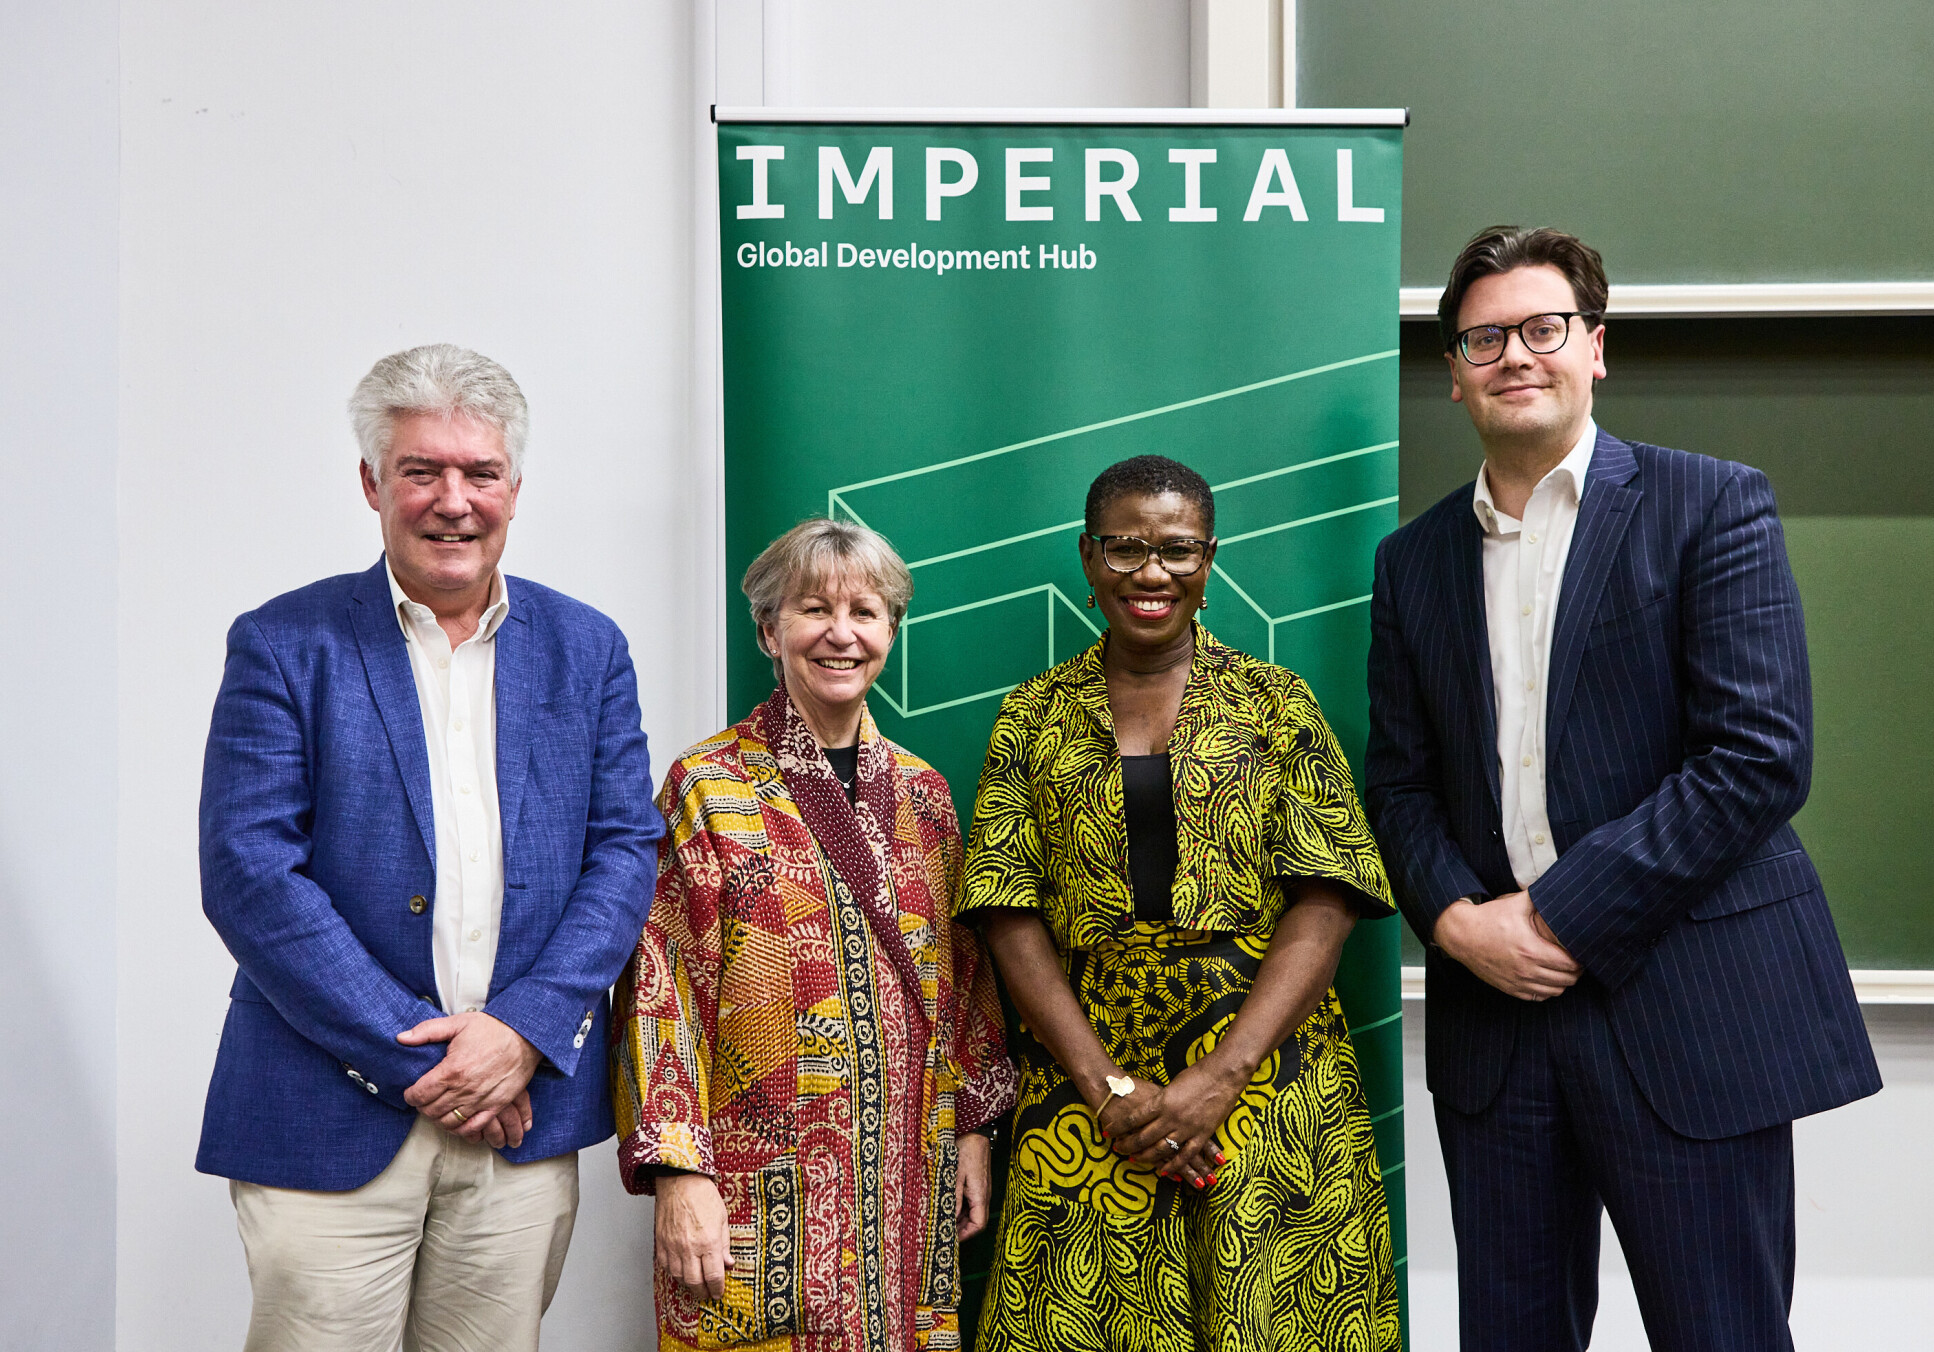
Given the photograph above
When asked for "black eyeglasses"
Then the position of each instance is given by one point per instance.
(1128, 553)
(1542, 334)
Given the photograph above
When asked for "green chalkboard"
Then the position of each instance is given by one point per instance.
(1689, 140)
(1865, 582)
(1840, 415)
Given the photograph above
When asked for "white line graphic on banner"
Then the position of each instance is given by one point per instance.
(1047, 599)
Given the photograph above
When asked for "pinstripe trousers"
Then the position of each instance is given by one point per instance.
(1706, 1225)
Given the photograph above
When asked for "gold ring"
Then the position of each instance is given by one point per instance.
(457, 1113)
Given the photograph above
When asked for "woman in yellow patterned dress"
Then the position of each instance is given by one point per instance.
(1167, 856)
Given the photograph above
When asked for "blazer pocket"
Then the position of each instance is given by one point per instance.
(568, 701)
(764, 1234)
(248, 992)
(1623, 622)
(1759, 883)
(765, 1228)
(940, 1279)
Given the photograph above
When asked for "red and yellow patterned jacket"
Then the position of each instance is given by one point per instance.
(804, 1021)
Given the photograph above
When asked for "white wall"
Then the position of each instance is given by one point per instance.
(994, 54)
(1865, 1190)
(306, 188)
(57, 752)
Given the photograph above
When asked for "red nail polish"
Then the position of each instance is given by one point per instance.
(1198, 1184)
(1212, 1180)
(1220, 1158)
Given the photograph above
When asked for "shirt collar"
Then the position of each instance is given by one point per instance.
(410, 612)
(1570, 473)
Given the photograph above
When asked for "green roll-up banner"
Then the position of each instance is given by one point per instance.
(946, 328)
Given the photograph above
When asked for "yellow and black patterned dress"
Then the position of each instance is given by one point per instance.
(1291, 1247)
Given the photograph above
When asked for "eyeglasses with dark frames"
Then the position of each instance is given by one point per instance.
(1128, 553)
(1541, 334)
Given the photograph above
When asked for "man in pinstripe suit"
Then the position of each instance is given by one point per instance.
(1590, 725)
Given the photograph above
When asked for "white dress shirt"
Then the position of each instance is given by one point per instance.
(457, 692)
(1524, 565)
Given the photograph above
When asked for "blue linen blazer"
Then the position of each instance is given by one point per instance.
(316, 835)
(1679, 744)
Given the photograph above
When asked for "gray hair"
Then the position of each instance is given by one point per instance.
(815, 550)
(445, 381)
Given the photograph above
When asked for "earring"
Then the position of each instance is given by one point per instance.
(1204, 605)
(1091, 600)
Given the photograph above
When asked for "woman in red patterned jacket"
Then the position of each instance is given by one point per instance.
(807, 1041)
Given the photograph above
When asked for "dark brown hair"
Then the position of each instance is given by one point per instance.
(1503, 248)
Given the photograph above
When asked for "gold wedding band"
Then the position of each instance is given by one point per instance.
(457, 1113)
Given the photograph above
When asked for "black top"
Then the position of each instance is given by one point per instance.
(1148, 795)
(846, 764)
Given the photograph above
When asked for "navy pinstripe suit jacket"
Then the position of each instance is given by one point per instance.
(1679, 744)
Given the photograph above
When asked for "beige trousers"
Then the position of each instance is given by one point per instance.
(449, 1249)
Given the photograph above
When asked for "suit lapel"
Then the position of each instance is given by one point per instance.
(1604, 515)
(1471, 636)
(386, 661)
(513, 681)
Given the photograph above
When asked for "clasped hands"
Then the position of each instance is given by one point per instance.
(1172, 1128)
(1506, 944)
(480, 1090)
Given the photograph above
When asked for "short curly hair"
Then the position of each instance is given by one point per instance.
(1148, 476)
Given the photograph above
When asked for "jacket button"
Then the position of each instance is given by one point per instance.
(418, 905)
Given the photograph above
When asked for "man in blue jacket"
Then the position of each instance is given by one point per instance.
(427, 836)
(1590, 725)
